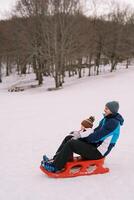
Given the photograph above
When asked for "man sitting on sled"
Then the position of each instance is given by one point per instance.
(88, 143)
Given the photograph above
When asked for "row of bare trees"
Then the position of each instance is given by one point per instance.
(53, 37)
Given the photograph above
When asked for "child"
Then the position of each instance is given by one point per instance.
(74, 135)
(85, 125)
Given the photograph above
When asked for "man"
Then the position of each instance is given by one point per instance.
(90, 144)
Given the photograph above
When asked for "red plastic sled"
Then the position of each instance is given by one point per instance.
(79, 168)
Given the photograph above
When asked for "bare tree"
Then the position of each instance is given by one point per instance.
(115, 37)
(0, 71)
(54, 36)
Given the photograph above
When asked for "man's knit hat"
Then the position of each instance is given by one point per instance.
(88, 123)
(113, 106)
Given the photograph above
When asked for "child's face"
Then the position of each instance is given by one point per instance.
(107, 111)
(82, 127)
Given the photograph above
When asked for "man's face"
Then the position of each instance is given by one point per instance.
(107, 111)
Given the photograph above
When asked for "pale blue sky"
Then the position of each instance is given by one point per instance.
(6, 5)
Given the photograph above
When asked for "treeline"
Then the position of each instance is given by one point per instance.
(54, 37)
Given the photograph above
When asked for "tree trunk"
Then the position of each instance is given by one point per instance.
(128, 63)
(69, 72)
(40, 78)
(113, 65)
(39, 74)
(97, 62)
(0, 71)
(89, 65)
(18, 65)
(79, 67)
(79, 72)
(58, 82)
(23, 69)
(7, 66)
(34, 65)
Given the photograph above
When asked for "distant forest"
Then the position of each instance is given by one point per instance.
(55, 38)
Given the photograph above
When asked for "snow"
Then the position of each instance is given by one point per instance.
(35, 121)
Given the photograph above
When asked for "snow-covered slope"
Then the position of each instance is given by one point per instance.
(34, 122)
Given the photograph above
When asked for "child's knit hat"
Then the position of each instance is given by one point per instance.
(88, 123)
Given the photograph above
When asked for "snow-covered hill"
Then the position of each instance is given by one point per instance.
(34, 122)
